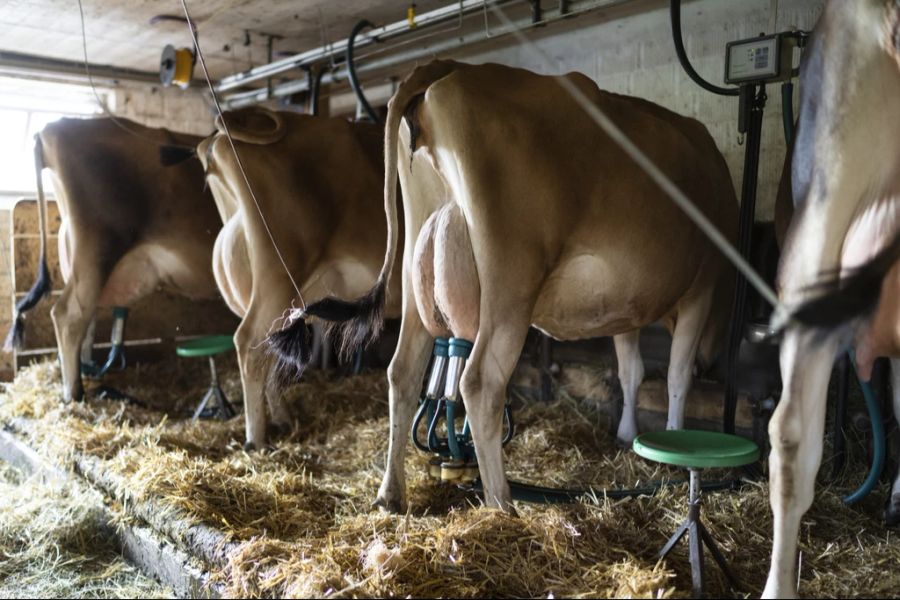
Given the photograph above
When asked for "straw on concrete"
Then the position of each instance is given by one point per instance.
(300, 523)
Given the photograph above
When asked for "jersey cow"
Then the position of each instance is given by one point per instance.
(129, 227)
(844, 238)
(315, 188)
(519, 210)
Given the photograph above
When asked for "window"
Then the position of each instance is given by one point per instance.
(26, 106)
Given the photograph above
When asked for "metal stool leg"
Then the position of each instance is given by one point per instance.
(695, 545)
(719, 557)
(694, 540)
(698, 537)
(222, 408)
(202, 406)
(676, 537)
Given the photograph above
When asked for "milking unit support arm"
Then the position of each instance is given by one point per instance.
(753, 102)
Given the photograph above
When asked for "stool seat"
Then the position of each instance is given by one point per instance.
(209, 347)
(696, 449)
(206, 346)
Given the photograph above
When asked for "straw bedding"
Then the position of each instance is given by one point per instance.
(296, 518)
(51, 547)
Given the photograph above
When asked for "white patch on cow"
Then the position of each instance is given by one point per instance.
(870, 231)
(631, 374)
(64, 243)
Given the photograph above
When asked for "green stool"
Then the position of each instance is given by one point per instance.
(697, 450)
(210, 346)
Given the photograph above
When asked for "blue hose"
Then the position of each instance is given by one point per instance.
(452, 440)
(878, 433)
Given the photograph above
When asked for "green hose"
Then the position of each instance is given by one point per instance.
(879, 442)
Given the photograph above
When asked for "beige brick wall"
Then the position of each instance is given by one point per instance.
(187, 111)
(629, 50)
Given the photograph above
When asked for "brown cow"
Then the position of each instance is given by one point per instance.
(541, 219)
(129, 226)
(317, 182)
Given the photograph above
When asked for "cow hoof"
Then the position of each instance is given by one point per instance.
(392, 506)
(623, 444)
(892, 510)
(249, 446)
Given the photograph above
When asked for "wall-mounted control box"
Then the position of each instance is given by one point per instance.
(767, 58)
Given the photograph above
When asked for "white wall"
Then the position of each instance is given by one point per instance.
(629, 50)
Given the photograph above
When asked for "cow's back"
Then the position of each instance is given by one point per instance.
(117, 198)
(541, 175)
(316, 193)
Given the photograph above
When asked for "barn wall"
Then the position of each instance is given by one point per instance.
(629, 50)
(156, 106)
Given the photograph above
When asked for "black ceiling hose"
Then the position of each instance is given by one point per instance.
(675, 12)
(315, 89)
(351, 72)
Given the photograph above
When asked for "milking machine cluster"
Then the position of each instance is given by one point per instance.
(116, 350)
(454, 453)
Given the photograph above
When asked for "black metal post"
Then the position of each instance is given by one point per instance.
(546, 361)
(753, 102)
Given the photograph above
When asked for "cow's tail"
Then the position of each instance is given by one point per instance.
(851, 295)
(42, 286)
(358, 322)
(254, 125)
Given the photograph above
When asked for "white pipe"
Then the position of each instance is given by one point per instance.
(576, 7)
(379, 34)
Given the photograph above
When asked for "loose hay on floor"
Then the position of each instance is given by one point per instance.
(50, 546)
(298, 522)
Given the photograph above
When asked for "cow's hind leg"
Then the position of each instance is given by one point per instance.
(484, 384)
(796, 432)
(631, 374)
(892, 508)
(72, 315)
(87, 344)
(478, 306)
(685, 341)
(405, 374)
(254, 369)
(407, 368)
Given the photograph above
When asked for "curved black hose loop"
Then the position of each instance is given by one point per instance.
(315, 89)
(351, 71)
(675, 11)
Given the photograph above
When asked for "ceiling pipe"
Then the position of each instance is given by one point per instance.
(570, 8)
(338, 49)
(16, 63)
